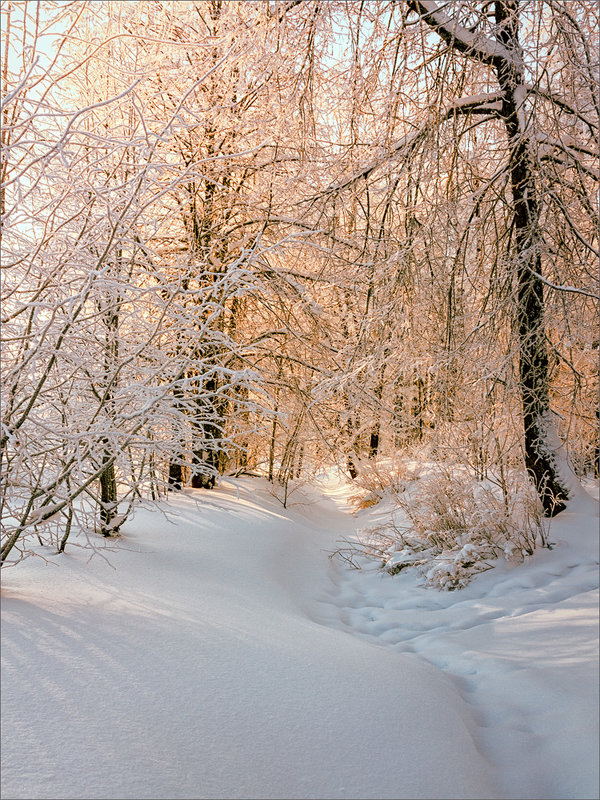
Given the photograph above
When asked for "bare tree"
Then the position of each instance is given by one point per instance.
(464, 80)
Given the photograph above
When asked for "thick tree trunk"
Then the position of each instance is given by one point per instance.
(210, 453)
(203, 481)
(533, 355)
(374, 439)
(175, 476)
(108, 496)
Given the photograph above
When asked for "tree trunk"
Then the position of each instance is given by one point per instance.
(207, 433)
(203, 481)
(176, 479)
(352, 427)
(108, 496)
(108, 480)
(175, 476)
(533, 355)
(418, 408)
(376, 427)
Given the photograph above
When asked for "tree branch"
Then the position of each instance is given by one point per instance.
(469, 42)
(486, 103)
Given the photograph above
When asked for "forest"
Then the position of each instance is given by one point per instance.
(300, 356)
(264, 237)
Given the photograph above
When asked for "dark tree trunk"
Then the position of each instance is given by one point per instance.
(108, 480)
(203, 481)
(209, 455)
(108, 496)
(418, 408)
(376, 429)
(175, 476)
(533, 355)
(176, 479)
(374, 440)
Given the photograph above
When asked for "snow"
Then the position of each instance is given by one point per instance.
(215, 651)
(475, 42)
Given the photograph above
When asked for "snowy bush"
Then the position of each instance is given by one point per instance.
(451, 528)
(384, 477)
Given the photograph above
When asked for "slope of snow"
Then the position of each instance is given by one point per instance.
(216, 652)
(521, 644)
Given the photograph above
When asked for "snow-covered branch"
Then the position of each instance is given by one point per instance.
(472, 43)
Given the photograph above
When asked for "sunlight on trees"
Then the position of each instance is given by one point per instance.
(266, 237)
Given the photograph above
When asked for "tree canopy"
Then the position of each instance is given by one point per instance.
(267, 235)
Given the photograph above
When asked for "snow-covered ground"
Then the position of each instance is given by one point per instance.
(216, 652)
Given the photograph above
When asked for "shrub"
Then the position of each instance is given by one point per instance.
(385, 477)
(452, 528)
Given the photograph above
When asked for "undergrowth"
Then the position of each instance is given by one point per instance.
(450, 527)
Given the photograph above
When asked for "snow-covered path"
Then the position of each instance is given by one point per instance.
(219, 654)
(520, 645)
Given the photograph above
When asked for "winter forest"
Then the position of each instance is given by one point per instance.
(317, 266)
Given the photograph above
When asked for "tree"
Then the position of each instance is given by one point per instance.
(482, 76)
(91, 308)
(277, 234)
(505, 54)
